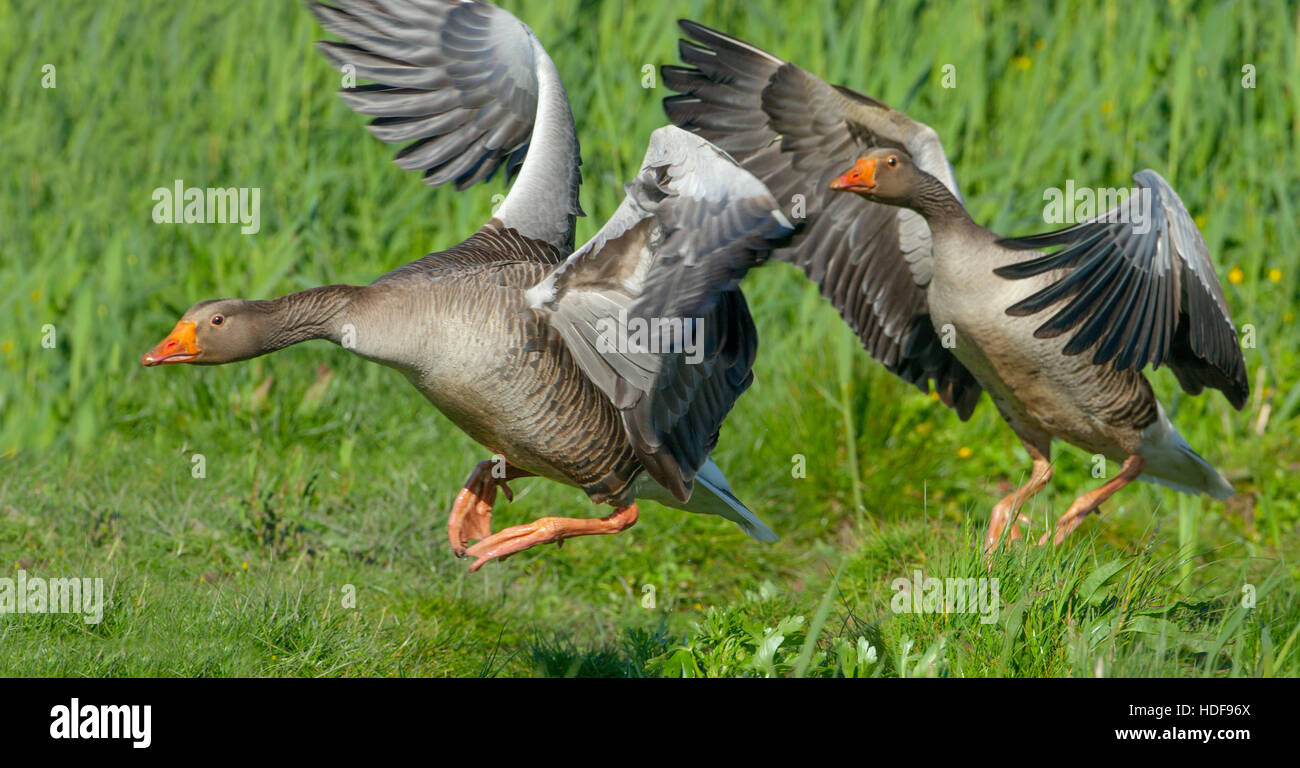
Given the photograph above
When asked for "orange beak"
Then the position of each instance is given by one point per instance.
(180, 346)
(861, 178)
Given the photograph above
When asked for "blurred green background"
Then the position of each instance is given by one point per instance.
(323, 471)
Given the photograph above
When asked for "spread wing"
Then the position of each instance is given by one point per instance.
(651, 308)
(468, 88)
(1138, 288)
(795, 132)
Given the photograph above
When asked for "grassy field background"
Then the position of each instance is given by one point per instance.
(328, 478)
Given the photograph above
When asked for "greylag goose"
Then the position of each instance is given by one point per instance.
(610, 368)
(888, 240)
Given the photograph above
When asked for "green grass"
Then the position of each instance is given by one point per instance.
(324, 485)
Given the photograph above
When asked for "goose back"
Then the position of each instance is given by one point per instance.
(669, 263)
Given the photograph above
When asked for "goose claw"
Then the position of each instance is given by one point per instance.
(518, 538)
(471, 514)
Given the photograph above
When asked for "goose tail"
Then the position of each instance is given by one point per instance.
(1171, 462)
(711, 495)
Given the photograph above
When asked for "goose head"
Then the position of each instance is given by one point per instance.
(884, 175)
(213, 332)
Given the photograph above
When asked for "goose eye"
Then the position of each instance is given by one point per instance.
(893, 161)
(218, 319)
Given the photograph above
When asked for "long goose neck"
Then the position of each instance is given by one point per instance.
(939, 206)
(316, 313)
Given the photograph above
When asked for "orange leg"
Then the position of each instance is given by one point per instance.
(1008, 509)
(520, 537)
(471, 514)
(1088, 502)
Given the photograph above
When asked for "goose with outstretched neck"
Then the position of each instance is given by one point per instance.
(939, 299)
(536, 350)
